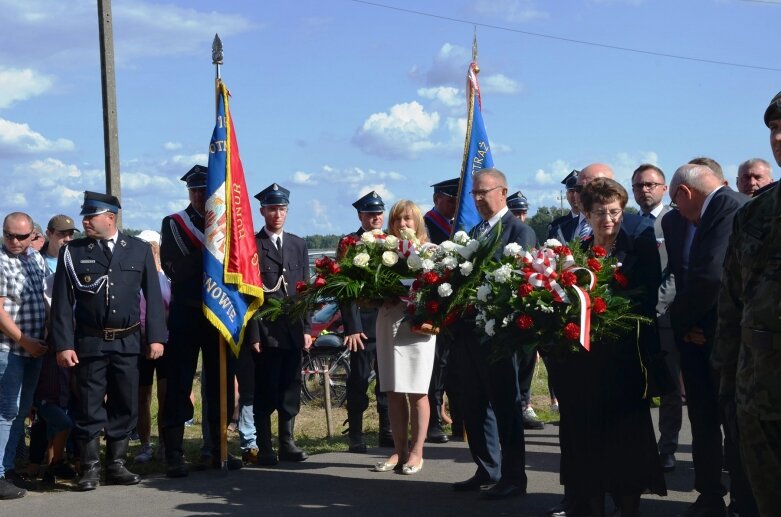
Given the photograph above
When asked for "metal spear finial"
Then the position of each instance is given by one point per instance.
(217, 50)
(474, 45)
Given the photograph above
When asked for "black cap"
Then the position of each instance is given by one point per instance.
(273, 195)
(371, 202)
(96, 203)
(571, 179)
(196, 177)
(773, 110)
(517, 202)
(447, 187)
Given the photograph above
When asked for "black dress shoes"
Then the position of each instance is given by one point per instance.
(668, 461)
(570, 506)
(502, 490)
(472, 484)
(706, 506)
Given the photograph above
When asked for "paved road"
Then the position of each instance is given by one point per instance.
(341, 484)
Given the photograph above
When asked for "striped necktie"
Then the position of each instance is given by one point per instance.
(584, 229)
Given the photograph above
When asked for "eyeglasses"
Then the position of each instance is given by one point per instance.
(480, 194)
(673, 204)
(612, 214)
(649, 185)
(18, 236)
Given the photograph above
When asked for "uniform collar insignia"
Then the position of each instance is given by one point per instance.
(123, 243)
(90, 246)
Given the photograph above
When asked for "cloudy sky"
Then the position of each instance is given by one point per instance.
(334, 98)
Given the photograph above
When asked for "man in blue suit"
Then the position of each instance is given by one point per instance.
(493, 414)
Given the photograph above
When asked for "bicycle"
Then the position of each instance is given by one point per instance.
(327, 354)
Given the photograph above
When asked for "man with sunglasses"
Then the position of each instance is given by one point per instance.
(22, 322)
(59, 232)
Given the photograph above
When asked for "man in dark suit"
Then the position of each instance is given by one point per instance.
(359, 338)
(279, 344)
(97, 286)
(649, 187)
(563, 228)
(493, 408)
(181, 256)
(702, 199)
(439, 223)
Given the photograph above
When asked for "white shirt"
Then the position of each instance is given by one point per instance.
(497, 217)
(112, 241)
(274, 236)
(707, 200)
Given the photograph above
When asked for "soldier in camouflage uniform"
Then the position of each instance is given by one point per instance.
(748, 345)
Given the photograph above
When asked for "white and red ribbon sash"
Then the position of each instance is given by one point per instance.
(193, 234)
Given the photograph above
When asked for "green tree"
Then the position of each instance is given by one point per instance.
(540, 221)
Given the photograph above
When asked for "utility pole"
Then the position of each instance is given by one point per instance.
(109, 91)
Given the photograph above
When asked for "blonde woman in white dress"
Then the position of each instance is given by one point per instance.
(405, 360)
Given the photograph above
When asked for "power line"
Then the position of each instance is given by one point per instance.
(573, 40)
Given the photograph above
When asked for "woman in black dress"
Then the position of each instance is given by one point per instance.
(607, 436)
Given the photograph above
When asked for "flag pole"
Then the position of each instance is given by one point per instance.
(217, 61)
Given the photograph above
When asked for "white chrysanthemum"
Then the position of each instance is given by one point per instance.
(503, 274)
(461, 237)
(489, 327)
(408, 234)
(552, 243)
(450, 262)
(367, 237)
(389, 258)
(466, 268)
(377, 231)
(483, 291)
(448, 245)
(361, 259)
(414, 262)
(428, 265)
(391, 242)
(513, 249)
(445, 290)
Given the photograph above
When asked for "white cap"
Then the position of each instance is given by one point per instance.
(149, 236)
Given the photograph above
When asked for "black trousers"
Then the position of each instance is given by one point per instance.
(245, 375)
(190, 333)
(525, 366)
(436, 389)
(362, 363)
(106, 396)
(701, 384)
(278, 382)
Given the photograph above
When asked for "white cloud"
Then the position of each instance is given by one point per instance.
(188, 160)
(302, 178)
(448, 67)
(499, 83)
(543, 178)
(386, 195)
(510, 10)
(18, 138)
(402, 132)
(321, 219)
(21, 84)
(447, 95)
(172, 146)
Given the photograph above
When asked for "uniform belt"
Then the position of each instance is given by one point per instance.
(761, 339)
(109, 334)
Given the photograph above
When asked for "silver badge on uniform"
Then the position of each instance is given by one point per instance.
(86, 261)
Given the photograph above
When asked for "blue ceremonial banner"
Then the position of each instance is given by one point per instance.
(477, 155)
(232, 287)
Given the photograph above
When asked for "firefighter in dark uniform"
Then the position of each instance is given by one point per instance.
(439, 223)
(97, 331)
(563, 227)
(279, 344)
(181, 255)
(518, 205)
(359, 338)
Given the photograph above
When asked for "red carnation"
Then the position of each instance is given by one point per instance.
(333, 268)
(599, 306)
(411, 309)
(571, 331)
(322, 262)
(451, 318)
(562, 250)
(599, 251)
(621, 279)
(594, 265)
(525, 290)
(524, 322)
(568, 279)
(432, 306)
(430, 278)
(319, 282)
(301, 286)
